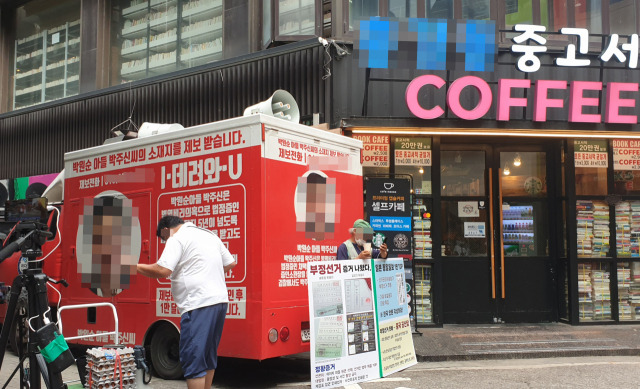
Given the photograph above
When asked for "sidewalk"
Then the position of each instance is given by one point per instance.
(507, 341)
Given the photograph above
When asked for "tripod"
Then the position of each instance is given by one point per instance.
(34, 281)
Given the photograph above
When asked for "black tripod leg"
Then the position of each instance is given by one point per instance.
(43, 369)
(16, 289)
(14, 372)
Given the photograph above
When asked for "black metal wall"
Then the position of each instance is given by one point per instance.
(34, 141)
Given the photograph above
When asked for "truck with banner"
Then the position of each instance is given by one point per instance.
(278, 194)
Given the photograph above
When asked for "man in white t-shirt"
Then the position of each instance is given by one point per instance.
(195, 260)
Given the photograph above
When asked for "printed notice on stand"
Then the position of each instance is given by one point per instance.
(359, 319)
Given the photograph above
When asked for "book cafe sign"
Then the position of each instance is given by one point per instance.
(528, 45)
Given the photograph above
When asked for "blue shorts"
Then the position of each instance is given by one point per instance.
(200, 332)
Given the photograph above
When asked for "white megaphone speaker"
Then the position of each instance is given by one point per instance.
(280, 105)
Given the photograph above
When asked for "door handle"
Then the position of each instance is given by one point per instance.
(501, 235)
(492, 242)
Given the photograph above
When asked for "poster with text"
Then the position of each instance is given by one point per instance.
(375, 152)
(359, 319)
(389, 212)
(391, 297)
(342, 322)
(412, 151)
(590, 153)
(626, 154)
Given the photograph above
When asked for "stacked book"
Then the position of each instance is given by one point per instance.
(623, 229)
(585, 290)
(601, 229)
(423, 294)
(634, 290)
(584, 211)
(422, 238)
(624, 284)
(601, 294)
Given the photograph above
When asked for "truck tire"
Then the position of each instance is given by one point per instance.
(165, 352)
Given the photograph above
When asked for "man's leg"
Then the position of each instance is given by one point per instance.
(209, 378)
(197, 383)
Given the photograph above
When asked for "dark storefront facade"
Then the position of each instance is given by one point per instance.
(525, 199)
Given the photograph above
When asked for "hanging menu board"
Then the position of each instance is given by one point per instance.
(375, 150)
(359, 319)
(413, 151)
(590, 153)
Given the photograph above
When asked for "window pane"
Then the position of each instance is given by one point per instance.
(591, 181)
(523, 174)
(589, 15)
(297, 17)
(423, 246)
(593, 228)
(476, 9)
(442, 9)
(266, 22)
(622, 16)
(518, 11)
(413, 157)
(629, 290)
(460, 234)
(146, 43)
(47, 56)
(462, 173)
(403, 9)
(625, 156)
(626, 311)
(628, 229)
(594, 295)
(361, 9)
(525, 231)
(424, 311)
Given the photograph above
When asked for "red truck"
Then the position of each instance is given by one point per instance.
(278, 194)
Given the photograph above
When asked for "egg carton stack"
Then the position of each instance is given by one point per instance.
(111, 368)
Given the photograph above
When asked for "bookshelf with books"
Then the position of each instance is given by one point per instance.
(422, 250)
(594, 292)
(628, 229)
(424, 302)
(593, 231)
(47, 65)
(202, 27)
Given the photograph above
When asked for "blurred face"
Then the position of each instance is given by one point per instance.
(108, 244)
(362, 235)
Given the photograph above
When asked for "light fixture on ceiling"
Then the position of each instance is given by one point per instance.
(458, 158)
(421, 170)
(517, 161)
(506, 171)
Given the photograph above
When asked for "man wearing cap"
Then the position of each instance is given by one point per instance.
(353, 248)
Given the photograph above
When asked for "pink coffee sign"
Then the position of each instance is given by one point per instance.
(581, 94)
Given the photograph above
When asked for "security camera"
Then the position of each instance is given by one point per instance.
(340, 51)
(323, 41)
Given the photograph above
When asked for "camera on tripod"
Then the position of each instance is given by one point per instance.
(30, 231)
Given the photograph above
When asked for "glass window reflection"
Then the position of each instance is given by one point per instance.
(462, 173)
(442, 9)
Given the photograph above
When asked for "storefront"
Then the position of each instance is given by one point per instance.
(525, 172)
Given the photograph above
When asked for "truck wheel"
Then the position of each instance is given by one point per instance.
(165, 352)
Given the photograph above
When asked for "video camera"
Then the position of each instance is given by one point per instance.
(30, 231)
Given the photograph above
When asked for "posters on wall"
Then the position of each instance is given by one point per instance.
(359, 319)
(626, 154)
(375, 152)
(590, 153)
(412, 151)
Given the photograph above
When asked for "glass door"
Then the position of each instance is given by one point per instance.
(496, 230)
(526, 272)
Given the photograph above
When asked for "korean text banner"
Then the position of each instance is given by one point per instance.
(348, 301)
